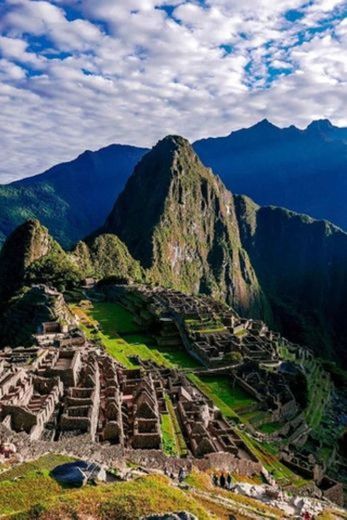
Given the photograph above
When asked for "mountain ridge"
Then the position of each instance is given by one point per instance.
(263, 161)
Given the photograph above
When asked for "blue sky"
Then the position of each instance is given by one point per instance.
(77, 74)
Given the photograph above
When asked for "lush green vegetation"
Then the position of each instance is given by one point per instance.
(119, 501)
(27, 484)
(232, 396)
(124, 339)
(181, 447)
(204, 387)
(270, 428)
(57, 269)
(168, 435)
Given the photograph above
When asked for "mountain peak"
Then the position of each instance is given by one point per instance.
(179, 221)
(320, 124)
(167, 147)
(265, 123)
(178, 140)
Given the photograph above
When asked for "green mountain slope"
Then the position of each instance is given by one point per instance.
(179, 221)
(71, 199)
(301, 264)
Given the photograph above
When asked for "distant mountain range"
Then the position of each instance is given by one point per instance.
(72, 198)
(302, 170)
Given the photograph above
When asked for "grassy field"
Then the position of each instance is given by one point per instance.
(124, 339)
(180, 444)
(123, 500)
(234, 397)
(27, 484)
(222, 404)
(168, 435)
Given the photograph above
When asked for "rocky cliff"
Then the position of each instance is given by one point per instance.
(301, 264)
(179, 221)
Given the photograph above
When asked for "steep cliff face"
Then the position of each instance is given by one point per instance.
(301, 264)
(179, 221)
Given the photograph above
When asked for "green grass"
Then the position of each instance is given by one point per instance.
(123, 500)
(270, 428)
(168, 435)
(114, 319)
(222, 404)
(124, 339)
(180, 443)
(234, 397)
(27, 484)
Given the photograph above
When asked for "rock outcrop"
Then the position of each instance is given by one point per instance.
(27, 244)
(31, 256)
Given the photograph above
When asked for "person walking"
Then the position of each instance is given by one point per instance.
(222, 480)
(181, 475)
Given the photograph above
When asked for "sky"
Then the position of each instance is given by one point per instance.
(81, 74)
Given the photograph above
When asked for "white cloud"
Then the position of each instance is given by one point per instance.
(79, 74)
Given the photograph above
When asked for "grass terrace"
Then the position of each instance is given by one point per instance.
(205, 326)
(173, 440)
(123, 339)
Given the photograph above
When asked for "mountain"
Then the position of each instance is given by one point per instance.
(178, 220)
(106, 256)
(303, 170)
(301, 264)
(30, 255)
(190, 232)
(71, 199)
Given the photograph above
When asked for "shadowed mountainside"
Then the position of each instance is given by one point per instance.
(71, 199)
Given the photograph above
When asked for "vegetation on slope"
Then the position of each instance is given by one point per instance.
(186, 234)
(71, 199)
(119, 501)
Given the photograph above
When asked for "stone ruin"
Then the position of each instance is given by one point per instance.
(63, 387)
(209, 330)
(61, 393)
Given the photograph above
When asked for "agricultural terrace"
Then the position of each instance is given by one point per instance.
(113, 326)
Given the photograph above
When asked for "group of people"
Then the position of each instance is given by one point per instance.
(223, 480)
